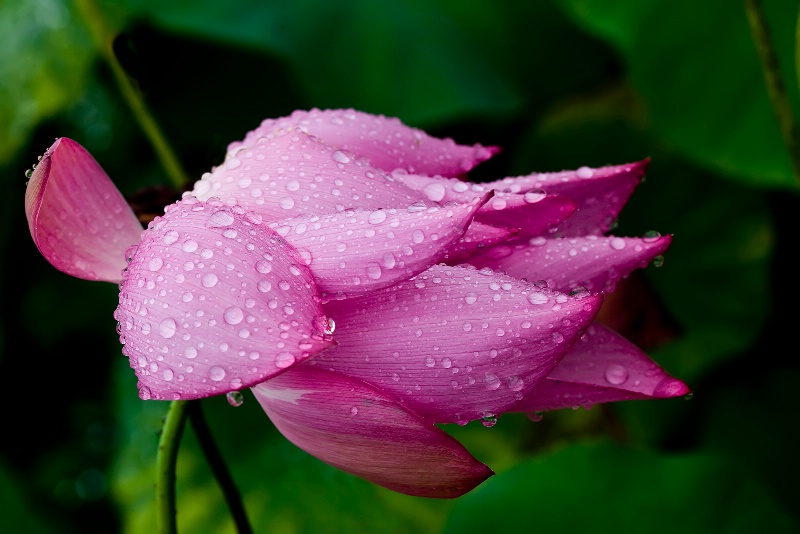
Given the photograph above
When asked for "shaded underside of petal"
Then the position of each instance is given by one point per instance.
(291, 173)
(454, 343)
(359, 251)
(599, 193)
(594, 262)
(385, 142)
(214, 301)
(363, 431)
(602, 367)
(532, 212)
(477, 238)
(78, 219)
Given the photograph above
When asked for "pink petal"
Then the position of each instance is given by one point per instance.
(364, 431)
(359, 251)
(290, 173)
(454, 343)
(78, 219)
(599, 193)
(596, 263)
(214, 301)
(533, 212)
(386, 143)
(602, 367)
(478, 237)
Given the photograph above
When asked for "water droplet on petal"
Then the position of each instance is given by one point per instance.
(167, 328)
(284, 360)
(616, 374)
(216, 373)
(233, 315)
(617, 243)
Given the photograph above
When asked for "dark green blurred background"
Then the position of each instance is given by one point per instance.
(557, 84)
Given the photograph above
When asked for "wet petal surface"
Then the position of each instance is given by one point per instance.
(602, 367)
(362, 430)
(385, 142)
(593, 262)
(599, 193)
(455, 344)
(78, 219)
(359, 251)
(214, 301)
(291, 173)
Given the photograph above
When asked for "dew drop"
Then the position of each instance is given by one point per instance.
(492, 382)
(209, 280)
(220, 219)
(617, 243)
(616, 374)
(167, 328)
(233, 315)
(235, 398)
(284, 360)
(216, 373)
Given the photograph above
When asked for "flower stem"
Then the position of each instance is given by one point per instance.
(220, 469)
(168, 445)
(776, 88)
(103, 37)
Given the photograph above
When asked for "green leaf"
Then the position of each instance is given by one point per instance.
(696, 68)
(607, 488)
(44, 61)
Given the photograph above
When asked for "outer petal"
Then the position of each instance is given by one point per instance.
(362, 430)
(599, 193)
(386, 143)
(455, 343)
(78, 219)
(355, 252)
(532, 212)
(596, 263)
(602, 367)
(213, 301)
(290, 173)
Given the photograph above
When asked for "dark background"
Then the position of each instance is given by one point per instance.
(556, 84)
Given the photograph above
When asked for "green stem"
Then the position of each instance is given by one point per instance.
(168, 445)
(103, 38)
(220, 469)
(774, 81)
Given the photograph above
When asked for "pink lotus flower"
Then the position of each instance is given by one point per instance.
(337, 264)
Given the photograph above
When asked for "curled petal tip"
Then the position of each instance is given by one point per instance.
(78, 219)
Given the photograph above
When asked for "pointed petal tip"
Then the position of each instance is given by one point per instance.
(671, 387)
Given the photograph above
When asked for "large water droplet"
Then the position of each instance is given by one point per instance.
(492, 382)
(233, 315)
(616, 374)
(220, 219)
(216, 373)
(235, 398)
(167, 328)
(284, 360)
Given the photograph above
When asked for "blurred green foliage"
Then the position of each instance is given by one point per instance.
(556, 84)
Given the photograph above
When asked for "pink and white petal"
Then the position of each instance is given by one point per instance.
(602, 367)
(214, 301)
(385, 142)
(596, 263)
(478, 237)
(77, 217)
(599, 193)
(362, 430)
(454, 343)
(291, 173)
(359, 251)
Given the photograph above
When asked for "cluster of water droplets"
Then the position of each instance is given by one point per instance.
(211, 301)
